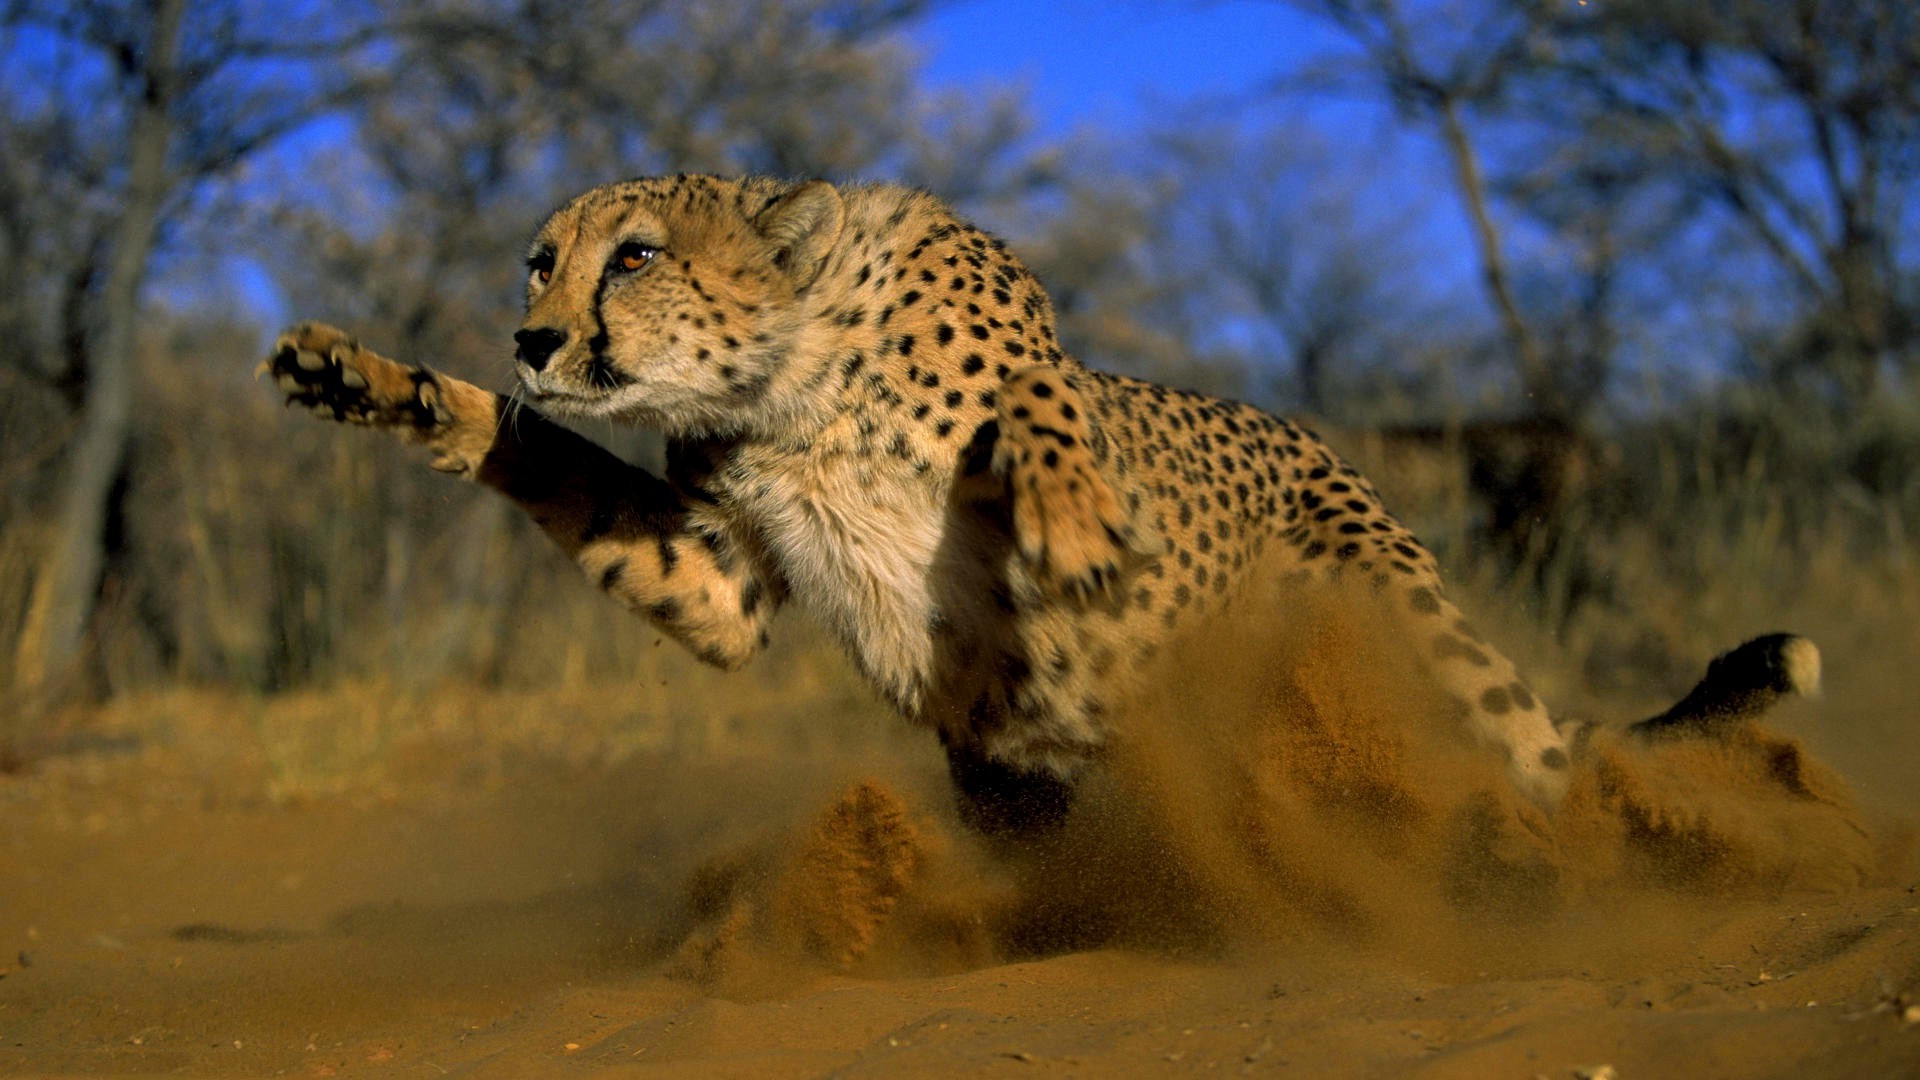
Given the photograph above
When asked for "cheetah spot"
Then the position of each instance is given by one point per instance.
(1424, 601)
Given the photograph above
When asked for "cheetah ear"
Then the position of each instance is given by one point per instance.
(803, 225)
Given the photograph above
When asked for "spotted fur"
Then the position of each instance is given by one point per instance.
(869, 413)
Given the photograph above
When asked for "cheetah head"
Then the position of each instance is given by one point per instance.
(674, 303)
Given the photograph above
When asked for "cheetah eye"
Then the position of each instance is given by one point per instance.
(631, 256)
(541, 266)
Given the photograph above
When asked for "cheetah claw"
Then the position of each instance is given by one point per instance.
(326, 371)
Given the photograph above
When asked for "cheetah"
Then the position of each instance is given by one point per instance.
(869, 414)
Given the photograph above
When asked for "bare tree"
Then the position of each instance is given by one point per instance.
(1790, 126)
(1438, 70)
(1281, 270)
(158, 112)
(62, 597)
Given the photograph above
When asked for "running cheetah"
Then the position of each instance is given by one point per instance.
(870, 415)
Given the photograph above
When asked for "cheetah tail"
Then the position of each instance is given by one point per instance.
(1741, 684)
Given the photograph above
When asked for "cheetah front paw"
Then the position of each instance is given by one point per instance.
(1072, 526)
(326, 370)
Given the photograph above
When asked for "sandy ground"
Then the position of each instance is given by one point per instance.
(1311, 896)
(521, 933)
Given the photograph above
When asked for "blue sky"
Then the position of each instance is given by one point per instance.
(1122, 66)
(1107, 65)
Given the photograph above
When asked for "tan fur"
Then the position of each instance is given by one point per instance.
(869, 413)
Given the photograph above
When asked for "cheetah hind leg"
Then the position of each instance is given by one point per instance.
(1078, 530)
(1740, 685)
(1495, 704)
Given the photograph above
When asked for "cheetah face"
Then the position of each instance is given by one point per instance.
(672, 304)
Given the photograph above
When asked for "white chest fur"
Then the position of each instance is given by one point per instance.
(854, 537)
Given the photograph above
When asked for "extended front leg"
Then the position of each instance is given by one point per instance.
(640, 538)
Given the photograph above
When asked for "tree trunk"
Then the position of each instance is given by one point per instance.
(64, 594)
(1535, 380)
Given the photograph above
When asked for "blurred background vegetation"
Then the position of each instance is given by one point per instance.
(1661, 393)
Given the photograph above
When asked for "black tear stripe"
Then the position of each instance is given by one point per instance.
(597, 343)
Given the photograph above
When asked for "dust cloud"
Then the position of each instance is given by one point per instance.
(1292, 775)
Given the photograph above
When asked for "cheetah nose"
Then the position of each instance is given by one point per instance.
(538, 346)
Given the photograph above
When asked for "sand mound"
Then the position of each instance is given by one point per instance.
(867, 885)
